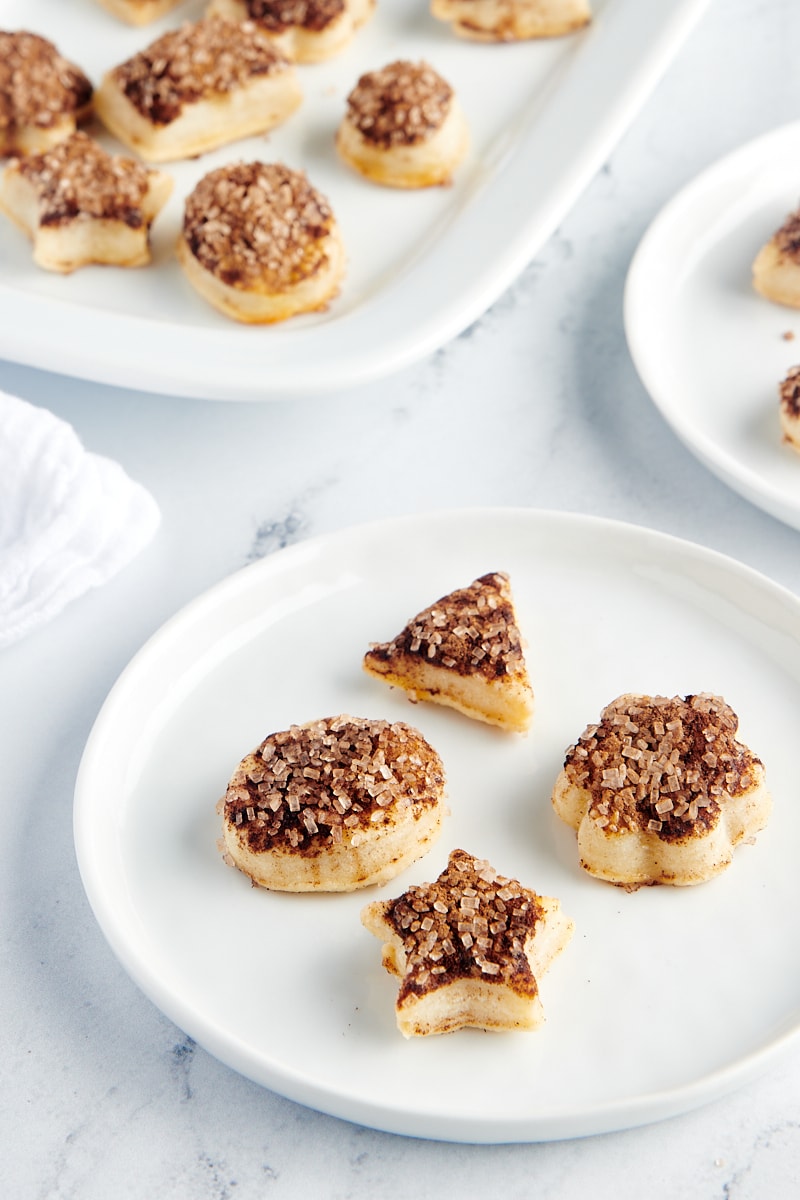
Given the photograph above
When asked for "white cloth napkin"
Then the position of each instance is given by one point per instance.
(69, 520)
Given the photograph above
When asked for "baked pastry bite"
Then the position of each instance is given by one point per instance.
(789, 396)
(81, 205)
(42, 95)
(307, 31)
(404, 127)
(333, 805)
(469, 949)
(660, 790)
(512, 20)
(261, 244)
(198, 87)
(464, 651)
(139, 12)
(776, 269)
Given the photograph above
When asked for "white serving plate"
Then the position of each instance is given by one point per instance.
(665, 998)
(422, 266)
(711, 351)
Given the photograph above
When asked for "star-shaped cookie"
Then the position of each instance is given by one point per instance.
(464, 651)
(469, 949)
(660, 790)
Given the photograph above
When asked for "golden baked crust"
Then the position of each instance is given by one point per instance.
(81, 205)
(42, 95)
(465, 651)
(260, 242)
(306, 30)
(139, 12)
(789, 398)
(198, 87)
(660, 790)
(512, 20)
(776, 269)
(469, 949)
(333, 805)
(403, 127)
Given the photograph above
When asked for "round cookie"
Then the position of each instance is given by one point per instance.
(42, 95)
(333, 805)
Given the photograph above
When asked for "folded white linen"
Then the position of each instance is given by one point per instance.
(69, 520)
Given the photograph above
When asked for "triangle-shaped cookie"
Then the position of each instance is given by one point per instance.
(464, 651)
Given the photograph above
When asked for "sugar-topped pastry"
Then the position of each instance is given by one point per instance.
(81, 205)
(470, 949)
(333, 805)
(776, 269)
(307, 31)
(139, 12)
(42, 95)
(464, 651)
(198, 87)
(512, 20)
(660, 790)
(403, 127)
(261, 244)
(789, 396)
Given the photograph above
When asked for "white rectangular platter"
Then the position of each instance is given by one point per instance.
(421, 266)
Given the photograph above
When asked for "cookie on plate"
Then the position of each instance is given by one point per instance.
(42, 95)
(139, 12)
(333, 805)
(404, 127)
(465, 651)
(469, 949)
(789, 397)
(261, 244)
(307, 31)
(196, 88)
(512, 20)
(660, 790)
(81, 205)
(776, 269)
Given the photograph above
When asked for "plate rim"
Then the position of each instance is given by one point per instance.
(615, 1115)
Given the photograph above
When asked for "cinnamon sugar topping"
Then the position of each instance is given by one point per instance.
(37, 84)
(317, 785)
(789, 391)
(258, 223)
(209, 58)
(400, 105)
(78, 179)
(787, 238)
(472, 630)
(279, 15)
(662, 765)
(470, 924)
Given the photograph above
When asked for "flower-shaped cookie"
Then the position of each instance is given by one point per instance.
(660, 790)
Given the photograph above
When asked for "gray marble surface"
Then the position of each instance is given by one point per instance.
(537, 404)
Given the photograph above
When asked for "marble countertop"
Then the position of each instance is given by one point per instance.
(102, 1095)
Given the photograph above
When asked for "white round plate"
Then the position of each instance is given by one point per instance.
(711, 351)
(664, 999)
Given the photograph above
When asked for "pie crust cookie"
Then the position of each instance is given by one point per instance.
(139, 12)
(42, 95)
(404, 127)
(260, 244)
(512, 20)
(464, 651)
(776, 269)
(196, 88)
(307, 31)
(81, 205)
(660, 791)
(334, 805)
(469, 949)
(789, 395)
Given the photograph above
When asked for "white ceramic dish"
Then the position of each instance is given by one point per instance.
(665, 998)
(710, 351)
(422, 266)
